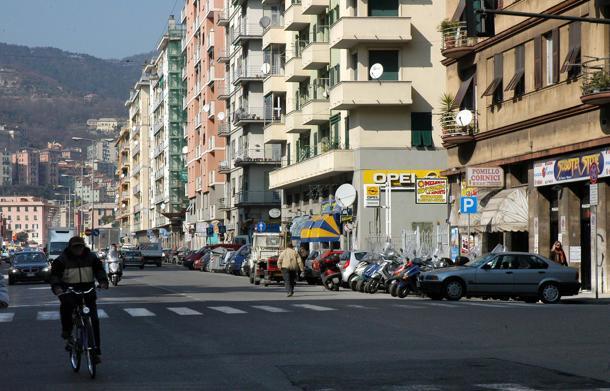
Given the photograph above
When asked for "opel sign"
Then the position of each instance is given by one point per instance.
(398, 179)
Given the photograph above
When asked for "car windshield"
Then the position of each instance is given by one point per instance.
(29, 258)
(130, 253)
(480, 261)
(150, 246)
(56, 248)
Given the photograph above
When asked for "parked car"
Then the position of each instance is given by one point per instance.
(167, 255)
(525, 276)
(308, 273)
(131, 257)
(203, 262)
(152, 253)
(180, 254)
(189, 260)
(220, 255)
(348, 262)
(238, 259)
(312, 267)
(29, 266)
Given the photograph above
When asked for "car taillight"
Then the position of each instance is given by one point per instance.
(346, 264)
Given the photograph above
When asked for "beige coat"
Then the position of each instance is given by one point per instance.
(290, 259)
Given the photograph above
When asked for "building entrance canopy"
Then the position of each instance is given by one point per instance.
(321, 228)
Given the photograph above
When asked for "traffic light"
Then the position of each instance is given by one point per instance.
(480, 24)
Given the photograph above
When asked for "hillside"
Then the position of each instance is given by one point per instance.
(43, 90)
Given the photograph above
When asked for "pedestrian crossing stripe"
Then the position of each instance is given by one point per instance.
(442, 305)
(184, 311)
(138, 312)
(314, 307)
(102, 314)
(485, 304)
(47, 315)
(269, 308)
(227, 310)
(7, 317)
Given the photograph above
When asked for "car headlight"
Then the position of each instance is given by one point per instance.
(431, 277)
(46, 269)
(14, 271)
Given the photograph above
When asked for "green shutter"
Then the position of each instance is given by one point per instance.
(383, 7)
(389, 60)
(421, 130)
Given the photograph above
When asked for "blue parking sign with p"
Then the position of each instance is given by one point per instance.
(468, 205)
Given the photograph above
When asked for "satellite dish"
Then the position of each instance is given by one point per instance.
(265, 21)
(185, 150)
(221, 116)
(163, 206)
(464, 118)
(206, 108)
(376, 71)
(345, 195)
(266, 68)
(275, 213)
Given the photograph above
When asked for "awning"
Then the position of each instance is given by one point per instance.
(321, 228)
(297, 225)
(506, 211)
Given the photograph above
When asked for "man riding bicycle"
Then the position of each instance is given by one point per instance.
(77, 267)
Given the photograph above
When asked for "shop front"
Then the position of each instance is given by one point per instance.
(569, 205)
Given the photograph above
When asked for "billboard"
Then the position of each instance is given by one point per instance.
(431, 191)
(571, 168)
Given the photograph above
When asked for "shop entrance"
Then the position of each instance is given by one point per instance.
(585, 235)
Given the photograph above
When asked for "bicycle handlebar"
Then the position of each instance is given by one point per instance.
(71, 290)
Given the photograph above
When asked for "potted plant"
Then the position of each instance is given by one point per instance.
(450, 31)
(599, 81)
(447, 112)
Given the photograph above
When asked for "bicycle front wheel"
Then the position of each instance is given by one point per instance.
(89, 348)
(75, 351)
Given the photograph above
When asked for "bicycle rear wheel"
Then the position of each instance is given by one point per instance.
(75, 352)
(89, 348)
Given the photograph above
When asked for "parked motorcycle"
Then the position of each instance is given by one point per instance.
(330, 271)
(114, 267)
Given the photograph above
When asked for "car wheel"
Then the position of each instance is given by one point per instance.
(454, 290)
(549, 293)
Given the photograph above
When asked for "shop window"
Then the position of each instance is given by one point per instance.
(389, 60)
(383, 8)
(421, 130)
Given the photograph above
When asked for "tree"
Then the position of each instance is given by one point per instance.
(22, 237)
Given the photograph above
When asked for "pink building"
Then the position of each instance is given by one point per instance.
(25, 167)
(31, 215)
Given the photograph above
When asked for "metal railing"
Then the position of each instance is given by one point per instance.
(257, 197)
(310, 151)
(244, 29)
(596, 76)
(248, 72)
(224, 166)
(257, 155)
(450, 127)
(224, 129)
(248, 113)
(454, 35)
(295, 49)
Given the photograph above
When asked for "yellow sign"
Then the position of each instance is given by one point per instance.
(372, 191)
(468, 191)
(400, 179)
(431, 191)
(372, 198)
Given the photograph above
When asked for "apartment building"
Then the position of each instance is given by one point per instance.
(6, 168)
(135, 195)
(539, 91)
(48, 171)
(102, 151)
(29, 215)
(167, 119)
(123, 172)
(206, 114)
(25, 164)
(363, 81)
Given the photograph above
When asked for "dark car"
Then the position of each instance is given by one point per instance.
(312, 269)
(29, 266)
(190, 259)
(237, 259)
(132, 258)
(180, 254)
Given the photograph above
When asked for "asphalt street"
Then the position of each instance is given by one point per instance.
(172, 329)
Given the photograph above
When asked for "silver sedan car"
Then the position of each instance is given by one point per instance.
(525, 276)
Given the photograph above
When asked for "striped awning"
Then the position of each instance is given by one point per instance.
(297, 226)
(321, 228)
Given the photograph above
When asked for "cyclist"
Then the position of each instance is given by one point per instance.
(77, 267)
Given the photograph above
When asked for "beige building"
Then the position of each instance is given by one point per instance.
(353, 98)
(123, 215)
(539, 91)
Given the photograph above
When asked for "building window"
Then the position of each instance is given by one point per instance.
(550, 57)
(421, 130)
(494, 89)
(571, 64)
(517, 83)
(389, 60)
(383, 8)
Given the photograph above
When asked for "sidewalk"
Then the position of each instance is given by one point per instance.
(588, 297)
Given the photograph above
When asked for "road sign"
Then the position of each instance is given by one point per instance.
(468, 205)
(95, 232)
(372, 196)
(88, 232)
(261, 227)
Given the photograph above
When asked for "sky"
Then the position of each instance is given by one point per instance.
(102, 28)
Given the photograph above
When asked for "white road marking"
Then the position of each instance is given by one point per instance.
(485, 304)
(47, 315)
(506, 387)
(408, 306)
(269, 308)
(184, 311)
(5, 276)
(40, 288)
(137, 312)
(442, 305)
(227, 310)
(362, 307)
(314, 307)
(7, 317)
(101, 314)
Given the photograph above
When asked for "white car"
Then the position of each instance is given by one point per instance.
(348, 262)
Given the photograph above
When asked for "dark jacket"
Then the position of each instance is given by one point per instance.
(77, 272)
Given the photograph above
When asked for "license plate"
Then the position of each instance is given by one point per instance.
(31, 274)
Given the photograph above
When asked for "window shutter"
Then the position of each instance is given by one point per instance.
(459, 97)
(421, 130)
(555, 37)
(519, 68)
(538, 62)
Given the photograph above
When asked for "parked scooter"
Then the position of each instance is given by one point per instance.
(114, 267)
(330, 272)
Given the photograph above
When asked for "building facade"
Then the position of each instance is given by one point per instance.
(29, 215)
(123, 174)
(357, 106)
(6, 168)
(539, 93)
(25, 163)
(167, 119)
(102, 151)
(49, 165)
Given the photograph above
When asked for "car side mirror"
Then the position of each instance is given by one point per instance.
(487, 266)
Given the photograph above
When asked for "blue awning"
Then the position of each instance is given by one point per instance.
(297, 226)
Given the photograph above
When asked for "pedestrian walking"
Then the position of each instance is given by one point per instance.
(290, 263)
(303, 252)
(3, 293)
(557, 254)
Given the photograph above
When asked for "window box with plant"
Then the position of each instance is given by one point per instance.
(452, 132)
(455, 43)
(596, 82)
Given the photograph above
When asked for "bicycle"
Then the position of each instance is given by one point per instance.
(83, 338)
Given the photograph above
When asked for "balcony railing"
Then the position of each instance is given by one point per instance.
(257, 155)
(243, 29)
(454, 133)
(224, 130)
(247, 72)
(295, 49)
(224, 167)
(454, 39)
(248, 114)
(211, 40)
(223, 203)
(310, 151)
(596, 81)
(257, 197)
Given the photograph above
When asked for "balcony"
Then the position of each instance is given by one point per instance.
(294, 20)
(316, 55)
(211, 40)
(309, 170)
(223, 90)
(275, 82)
(257, 156)
(223, 17)
(157, 126)
(246, 74)
(224, 167)
(347, 95)
(274, 132)
(159, 149)
(596, 82)
(197, 56)
(314, 7)
(453, 134)
(294, 70)
(454, 41)
(243, 31)
(257, 198)
(223, 56)
(198, 120)
(274, 34)
(224, 130)
(198, 182)
(248, 115)
(223, 203)
(350, 31)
